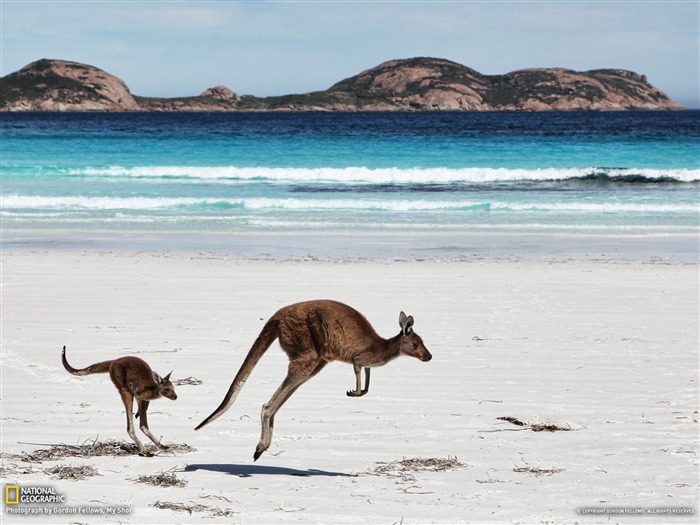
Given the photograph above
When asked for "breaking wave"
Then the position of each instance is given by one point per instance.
(353, 175)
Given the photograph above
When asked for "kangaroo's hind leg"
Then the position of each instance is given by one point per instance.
(143, 423)
(316, 370)
(128, 400)
(298, 374)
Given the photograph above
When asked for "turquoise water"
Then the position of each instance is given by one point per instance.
(631, 173)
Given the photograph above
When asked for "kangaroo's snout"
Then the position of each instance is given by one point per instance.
(169, 393)
(427, 357)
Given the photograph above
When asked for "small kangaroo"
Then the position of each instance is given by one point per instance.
(312, 334)
(133, 378)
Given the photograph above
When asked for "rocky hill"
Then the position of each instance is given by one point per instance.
(417, 84)
(58, 85)
(437, 84)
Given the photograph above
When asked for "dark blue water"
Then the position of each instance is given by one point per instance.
(662, 140)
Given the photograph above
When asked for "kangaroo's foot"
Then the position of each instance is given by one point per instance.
(267, 420)
(356, 393)
(259, 451)
(163, 447)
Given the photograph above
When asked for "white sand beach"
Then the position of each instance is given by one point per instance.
(606, 348)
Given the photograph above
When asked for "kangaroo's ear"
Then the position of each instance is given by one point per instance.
(167, 378)
(406, 322)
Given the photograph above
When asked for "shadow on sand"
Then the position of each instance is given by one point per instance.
(246, 471)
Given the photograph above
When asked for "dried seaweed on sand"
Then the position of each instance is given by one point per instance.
(215, 512)
(88, 450)
(404, 468)
(536, 471)
(7, 470)
(163, 479)
(536, 427)
(188, 381)
(72, 473)
(180, 507)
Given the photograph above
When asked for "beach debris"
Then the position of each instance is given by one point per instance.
(408, 490)
(536, 427)
(180, 507)
(87, 450)
(288, 508)
(536, 471)
(188, 381)
(220, 497)
(405, 468)
(512, 420)
(162, 479)
(491, 480)
(14, 469)
(72, 473)
(178, 448)
(216, 512)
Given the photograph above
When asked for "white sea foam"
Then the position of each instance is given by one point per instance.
(23, 202)
(103, 203)
(228, 223)
(355, 175)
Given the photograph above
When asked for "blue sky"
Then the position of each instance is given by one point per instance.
(166, 48)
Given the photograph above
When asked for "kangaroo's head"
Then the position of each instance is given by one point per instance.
(410, 343)
(165, 387)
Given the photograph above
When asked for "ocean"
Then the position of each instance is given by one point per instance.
(353, 184)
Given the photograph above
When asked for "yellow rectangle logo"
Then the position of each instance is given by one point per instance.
(10, 498)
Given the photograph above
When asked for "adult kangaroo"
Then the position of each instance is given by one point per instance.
(312, 334)
(133, 378)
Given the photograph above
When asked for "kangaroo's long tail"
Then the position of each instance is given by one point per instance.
(97, 368)
(262, 343)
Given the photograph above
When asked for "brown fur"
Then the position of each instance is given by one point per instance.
(312, 334)
(134, 379)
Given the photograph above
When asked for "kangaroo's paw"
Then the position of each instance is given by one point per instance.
(356, 393)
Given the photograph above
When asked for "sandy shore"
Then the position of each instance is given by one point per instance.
(605, 348)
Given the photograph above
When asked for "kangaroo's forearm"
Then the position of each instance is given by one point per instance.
(359, 391)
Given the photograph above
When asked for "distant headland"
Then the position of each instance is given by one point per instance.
(414, 84)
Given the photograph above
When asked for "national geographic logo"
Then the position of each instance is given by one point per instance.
(11, 494)
(16, 494)
(41, 499)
